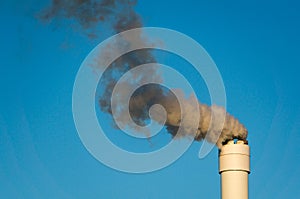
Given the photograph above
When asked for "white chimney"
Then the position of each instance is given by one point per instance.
(234, 167)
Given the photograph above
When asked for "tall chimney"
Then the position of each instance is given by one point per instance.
(234, 167)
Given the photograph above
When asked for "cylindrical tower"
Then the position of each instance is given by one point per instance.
(234, 167)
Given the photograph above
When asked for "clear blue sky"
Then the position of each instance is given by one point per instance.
(255, 45)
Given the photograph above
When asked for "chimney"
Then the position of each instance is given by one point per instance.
(234, 167)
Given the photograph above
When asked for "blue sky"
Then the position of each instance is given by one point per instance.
(256, 48)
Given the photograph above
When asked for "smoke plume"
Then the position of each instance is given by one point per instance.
(119, 15)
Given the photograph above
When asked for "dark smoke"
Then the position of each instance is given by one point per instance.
(119, 15)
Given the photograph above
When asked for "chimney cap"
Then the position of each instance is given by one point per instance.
(235, 141)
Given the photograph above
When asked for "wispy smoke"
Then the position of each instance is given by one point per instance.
(119, 15)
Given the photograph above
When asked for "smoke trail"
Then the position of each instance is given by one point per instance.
(119, 15)
(90, 13)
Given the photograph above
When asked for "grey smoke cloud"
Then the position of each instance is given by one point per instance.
(119, 15)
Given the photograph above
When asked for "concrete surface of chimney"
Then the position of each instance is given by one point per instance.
(234, 167)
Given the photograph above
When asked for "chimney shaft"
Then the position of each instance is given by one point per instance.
(234, 167)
